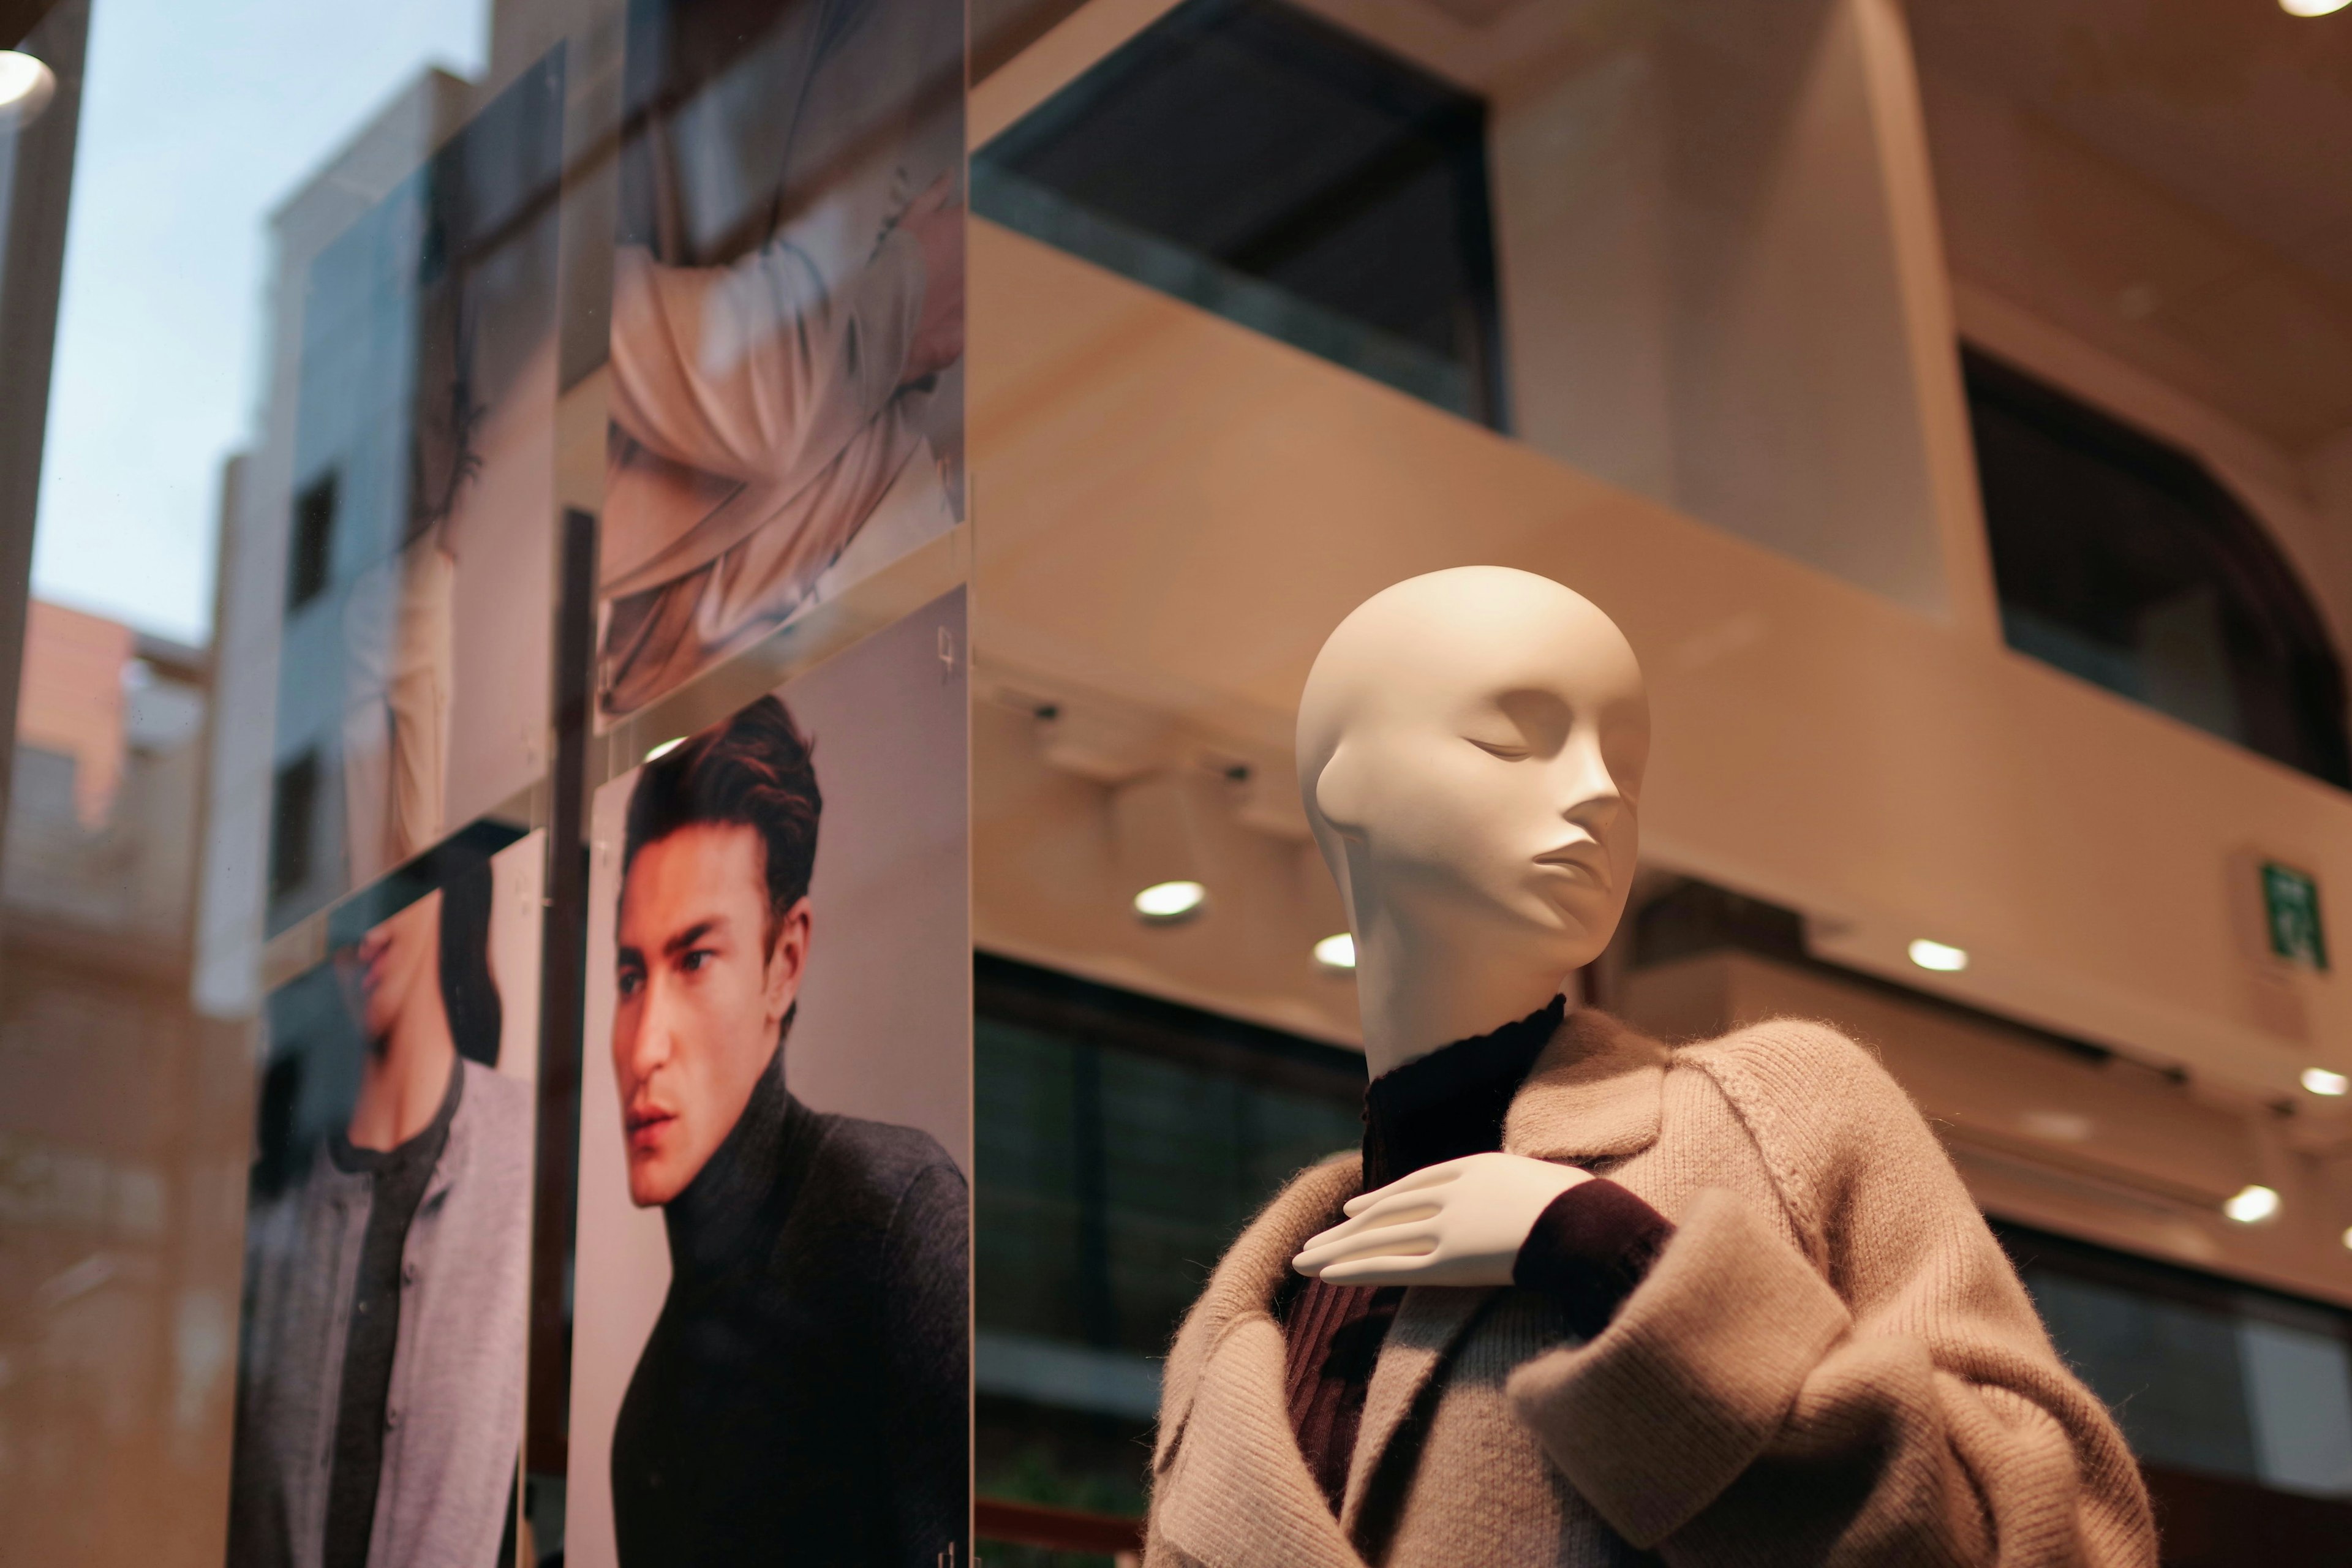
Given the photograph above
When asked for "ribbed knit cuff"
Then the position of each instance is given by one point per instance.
(1661, 1412)
(1590, 1249)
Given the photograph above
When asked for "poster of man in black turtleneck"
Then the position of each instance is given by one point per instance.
(772, 1338)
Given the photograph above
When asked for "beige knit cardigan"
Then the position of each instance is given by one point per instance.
(1830, 1363)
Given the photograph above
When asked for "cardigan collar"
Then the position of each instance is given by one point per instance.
(1595, 1092)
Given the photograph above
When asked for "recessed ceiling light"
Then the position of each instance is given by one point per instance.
(1939, 956)
(2348, 1241)
(2252, 1205)
(665, 748)
(1337, 952)
(2058, 1126)
(2319, 1080)
(1165, 902)
(2311, 7)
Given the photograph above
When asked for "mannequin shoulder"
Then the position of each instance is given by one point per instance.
(1803, 1077)
(1308, 1200)
(1805, 1052)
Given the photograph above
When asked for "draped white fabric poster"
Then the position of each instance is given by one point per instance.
(786, 374)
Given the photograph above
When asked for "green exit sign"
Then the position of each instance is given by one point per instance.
(2290, 906)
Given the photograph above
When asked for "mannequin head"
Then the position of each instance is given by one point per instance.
(1470, 748)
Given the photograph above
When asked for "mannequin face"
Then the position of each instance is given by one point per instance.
(1474, 742)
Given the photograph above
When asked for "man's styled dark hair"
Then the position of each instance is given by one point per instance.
(753, 771)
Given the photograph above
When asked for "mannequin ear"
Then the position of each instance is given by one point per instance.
(1337, 795)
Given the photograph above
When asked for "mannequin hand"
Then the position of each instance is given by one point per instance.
(1461, 1223)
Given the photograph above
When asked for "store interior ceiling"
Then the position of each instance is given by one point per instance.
(2233, 269)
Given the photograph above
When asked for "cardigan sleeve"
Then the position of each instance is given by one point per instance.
(1589, 1250)
(1880, 1393)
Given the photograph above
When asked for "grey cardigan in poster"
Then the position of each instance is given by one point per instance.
(453, 1419)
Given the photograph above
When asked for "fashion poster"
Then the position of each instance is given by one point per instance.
(770, 1331)
(380, 1379)
(786, 374)
(413, 677)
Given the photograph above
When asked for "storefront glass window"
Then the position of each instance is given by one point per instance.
(1122, 1144)
(141, 214)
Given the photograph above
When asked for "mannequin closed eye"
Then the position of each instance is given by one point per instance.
(1524, 724)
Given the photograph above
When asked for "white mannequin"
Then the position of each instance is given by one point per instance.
(1470, 746)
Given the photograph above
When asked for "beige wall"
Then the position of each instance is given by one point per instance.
(70, 699)
(1176, 509)
(1710, 297)
(2088, 275)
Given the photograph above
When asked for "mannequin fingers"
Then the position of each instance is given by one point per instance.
(1381, 1268)
(1391, 1243)
(1427, 1176)
(1407, 1209)
(1435, 1268)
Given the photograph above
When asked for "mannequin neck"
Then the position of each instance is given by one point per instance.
(403, 1077)
(1418, 994)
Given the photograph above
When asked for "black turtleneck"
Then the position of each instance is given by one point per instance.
(1589, 1250)
(802, 1396)
(1451, 1102)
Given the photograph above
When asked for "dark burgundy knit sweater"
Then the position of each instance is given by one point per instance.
(1589, 1250)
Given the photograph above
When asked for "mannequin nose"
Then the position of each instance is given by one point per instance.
(1590, 795)
(1597, 812)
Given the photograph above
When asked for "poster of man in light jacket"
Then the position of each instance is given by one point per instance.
(786, 389)
(387, 1255)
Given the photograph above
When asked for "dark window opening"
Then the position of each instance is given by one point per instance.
(293, 805)
(1261, 164)
(1694, 917)
(1123, 1142)
(311, 553)
(2205, 1376)
(2122, 560)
